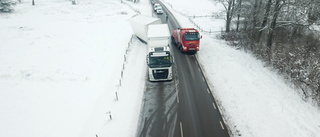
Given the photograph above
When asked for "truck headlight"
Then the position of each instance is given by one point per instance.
(170, 75)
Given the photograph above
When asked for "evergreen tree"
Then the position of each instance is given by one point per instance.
(6, 5)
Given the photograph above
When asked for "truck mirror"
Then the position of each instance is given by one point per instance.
(147, 59)
(201, 37)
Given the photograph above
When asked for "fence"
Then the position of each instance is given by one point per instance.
(207, 31)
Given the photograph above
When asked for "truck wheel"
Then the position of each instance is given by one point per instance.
(173, 41)
(180, 47)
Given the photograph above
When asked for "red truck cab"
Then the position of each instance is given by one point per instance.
(186, 39)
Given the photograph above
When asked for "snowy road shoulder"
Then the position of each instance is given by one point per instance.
(255, 101)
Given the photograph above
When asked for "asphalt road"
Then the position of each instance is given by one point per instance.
(183, 107)
(198, 114)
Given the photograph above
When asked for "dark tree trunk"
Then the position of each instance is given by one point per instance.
(255, 19)
(239, 11)
(272, 28)
(229, 14)
(265, 19)
(254, 16)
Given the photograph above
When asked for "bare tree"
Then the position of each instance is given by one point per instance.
(282, 33)
(265, 19)
(239, 12)
(229, 6)
(276, 13)
(255, 13)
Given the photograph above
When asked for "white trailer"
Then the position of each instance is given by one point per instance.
(140, 24)
(158, 35)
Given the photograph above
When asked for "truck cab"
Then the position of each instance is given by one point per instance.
(159, 61)
(186, 39)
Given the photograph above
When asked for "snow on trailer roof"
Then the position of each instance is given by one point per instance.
(141, 19)
(139, 25)
(158, 30)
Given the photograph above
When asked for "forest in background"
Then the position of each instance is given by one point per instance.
(282, 33)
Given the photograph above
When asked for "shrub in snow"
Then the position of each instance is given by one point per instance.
(6, 5)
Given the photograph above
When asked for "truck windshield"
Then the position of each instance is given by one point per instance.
(190, 36)
(163, 61)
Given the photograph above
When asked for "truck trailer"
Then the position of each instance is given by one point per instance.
(140, 24)
(158, 35)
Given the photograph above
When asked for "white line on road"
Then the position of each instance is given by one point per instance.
(208, 90)
(221, 125)
(177, 91)
(203, 79)
(181, 130)
(178, 97)
(214, 106)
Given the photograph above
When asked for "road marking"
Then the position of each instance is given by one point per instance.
(221, 125)
(214, 106)
(208, 90)
(199, 69)
(178, 97)
(177, 90)
(181, 130)
(203, 79)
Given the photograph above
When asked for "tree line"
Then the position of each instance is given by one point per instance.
(283, 33)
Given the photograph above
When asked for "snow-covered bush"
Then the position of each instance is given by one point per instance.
(6, 5)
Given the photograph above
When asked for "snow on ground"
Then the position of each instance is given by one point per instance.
(254, 100)
(61, 66)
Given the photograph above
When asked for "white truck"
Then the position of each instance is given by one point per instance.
(159, 58)
(157, 36)
(159, 61)
(140, 24)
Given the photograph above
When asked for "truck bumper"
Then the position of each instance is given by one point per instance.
(191, 49)
(160, 74)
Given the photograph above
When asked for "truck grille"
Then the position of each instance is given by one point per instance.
(160, 73)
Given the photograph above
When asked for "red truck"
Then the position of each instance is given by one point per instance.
(186, 39)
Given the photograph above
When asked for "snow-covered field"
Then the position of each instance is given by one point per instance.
(61, 68)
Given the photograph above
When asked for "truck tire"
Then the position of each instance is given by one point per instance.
(180, 47)
(173, 41)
